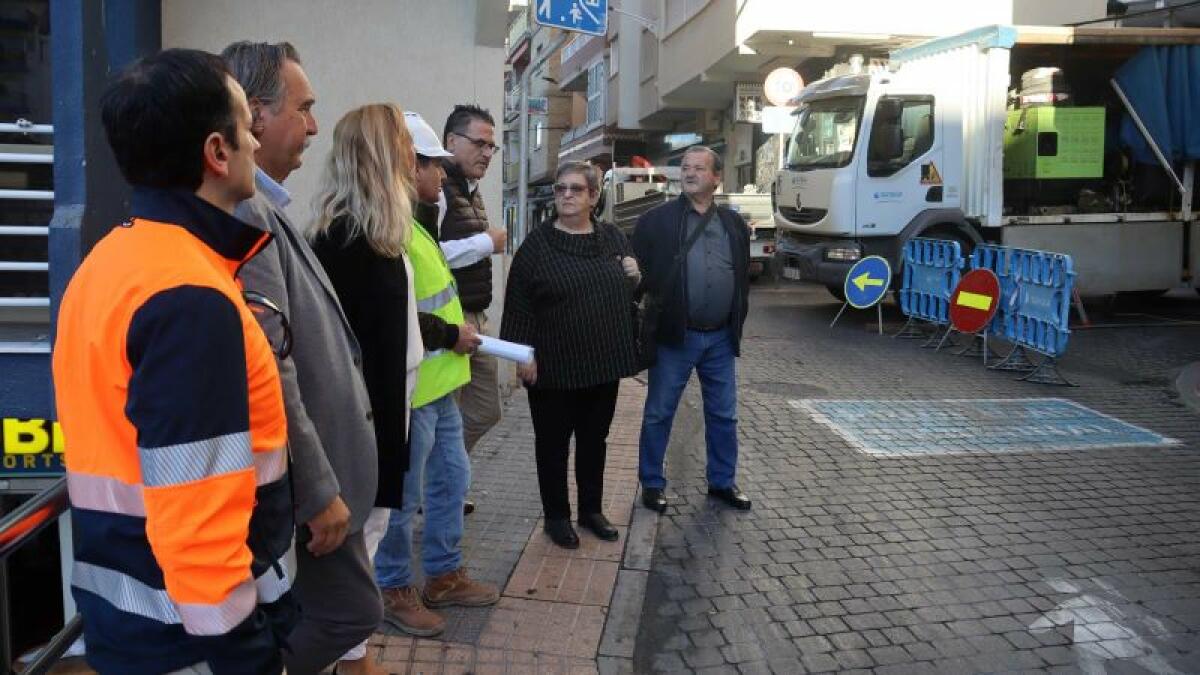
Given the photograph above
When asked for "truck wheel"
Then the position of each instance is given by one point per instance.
(837, 292)
(964, 242)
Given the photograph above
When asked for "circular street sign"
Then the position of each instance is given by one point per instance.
(974, 301)
(782, 85)
(867, 281)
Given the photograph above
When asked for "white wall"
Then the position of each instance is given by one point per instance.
(909, 17)
(1057, 12)
(419, 54)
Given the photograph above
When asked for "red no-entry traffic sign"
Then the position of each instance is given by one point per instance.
(974, 301)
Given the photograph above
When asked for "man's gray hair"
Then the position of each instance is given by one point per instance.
(256, 66)
(717, 162)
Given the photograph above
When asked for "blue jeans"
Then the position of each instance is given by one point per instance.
(439, 474)
(711, 354)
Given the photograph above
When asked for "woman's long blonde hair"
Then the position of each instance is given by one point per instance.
(369, 179)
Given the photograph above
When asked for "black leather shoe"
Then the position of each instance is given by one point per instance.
(654, 499)
(468, 507)
(732, 496)
(599, 525)
(562, 533)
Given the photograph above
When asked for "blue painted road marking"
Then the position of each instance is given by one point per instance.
(993, 426)
(867, 281)
(584, 16)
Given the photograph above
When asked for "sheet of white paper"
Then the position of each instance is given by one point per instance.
(502, 349)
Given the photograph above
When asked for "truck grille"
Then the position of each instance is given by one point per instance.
(805, 216)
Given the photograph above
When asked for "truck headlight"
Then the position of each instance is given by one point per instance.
(843, 254)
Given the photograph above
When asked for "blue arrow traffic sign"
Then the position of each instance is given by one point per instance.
(584, 16)
(867, 281)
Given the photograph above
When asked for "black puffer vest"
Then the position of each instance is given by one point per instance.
(465, 217)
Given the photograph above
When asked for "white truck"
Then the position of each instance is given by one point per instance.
(936, 145)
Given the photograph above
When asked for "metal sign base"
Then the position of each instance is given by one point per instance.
(878, 316)
(1047, 372)
(938, 338)
(912, 330)
(978, 346)
(1016, 361)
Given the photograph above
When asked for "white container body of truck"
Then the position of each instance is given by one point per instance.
(919, 150)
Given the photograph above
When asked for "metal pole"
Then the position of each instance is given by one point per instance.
(66, 559)
(523, 164)
(1137, 120)
(6, 655)
(1189, 179)
(839, 314)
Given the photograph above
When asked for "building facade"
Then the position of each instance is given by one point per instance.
(672, 73)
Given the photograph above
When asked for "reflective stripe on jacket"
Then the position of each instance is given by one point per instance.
(442, 371)
(173, 421)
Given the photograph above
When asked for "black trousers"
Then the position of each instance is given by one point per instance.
(557, 415)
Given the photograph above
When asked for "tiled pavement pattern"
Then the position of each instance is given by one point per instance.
(555, 603)
(1069, 561)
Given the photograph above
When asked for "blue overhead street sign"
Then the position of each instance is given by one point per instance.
(584, 16)
(867, 281)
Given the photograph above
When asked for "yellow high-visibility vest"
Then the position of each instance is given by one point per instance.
(443, 370)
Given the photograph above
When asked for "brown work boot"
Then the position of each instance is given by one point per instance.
(402, 608)
(456, 588)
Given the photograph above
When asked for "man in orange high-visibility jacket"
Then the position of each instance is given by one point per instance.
(169, 396)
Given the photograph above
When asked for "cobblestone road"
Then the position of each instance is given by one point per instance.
(1071, 560)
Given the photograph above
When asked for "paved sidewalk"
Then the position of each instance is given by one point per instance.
(555, 604)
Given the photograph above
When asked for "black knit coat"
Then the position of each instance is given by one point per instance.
(569, 298)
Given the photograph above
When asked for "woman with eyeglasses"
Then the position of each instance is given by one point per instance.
(361, 235)
(569, 294)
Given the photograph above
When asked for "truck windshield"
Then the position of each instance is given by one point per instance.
(825, 133)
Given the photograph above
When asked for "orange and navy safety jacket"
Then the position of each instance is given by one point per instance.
(173, 421)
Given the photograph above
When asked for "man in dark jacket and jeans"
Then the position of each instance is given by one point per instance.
(704, 309)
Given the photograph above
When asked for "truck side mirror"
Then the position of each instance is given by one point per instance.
(887, 141)
(887, 134)
(889, 110)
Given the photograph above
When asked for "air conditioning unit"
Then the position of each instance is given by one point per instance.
(710, 121)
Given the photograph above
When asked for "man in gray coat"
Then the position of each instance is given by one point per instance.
(330, 432)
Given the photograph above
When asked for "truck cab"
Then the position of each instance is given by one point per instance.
(864, 170)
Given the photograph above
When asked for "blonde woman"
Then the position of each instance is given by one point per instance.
(363, 227)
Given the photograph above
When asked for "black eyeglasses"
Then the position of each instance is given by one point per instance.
(273, 321)
(564, 188)
(479, 143)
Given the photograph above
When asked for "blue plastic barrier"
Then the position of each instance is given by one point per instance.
(998, 260)
(1042, 305)
(932, 268)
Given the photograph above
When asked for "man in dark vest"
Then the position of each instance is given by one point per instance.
(469, 135)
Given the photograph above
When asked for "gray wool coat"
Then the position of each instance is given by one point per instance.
(330, 432)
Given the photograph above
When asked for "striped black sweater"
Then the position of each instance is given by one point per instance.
(569, 298)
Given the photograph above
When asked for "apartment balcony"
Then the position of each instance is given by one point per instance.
(578, 56)
(518, 39)
(511, 174)
(708, 46)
